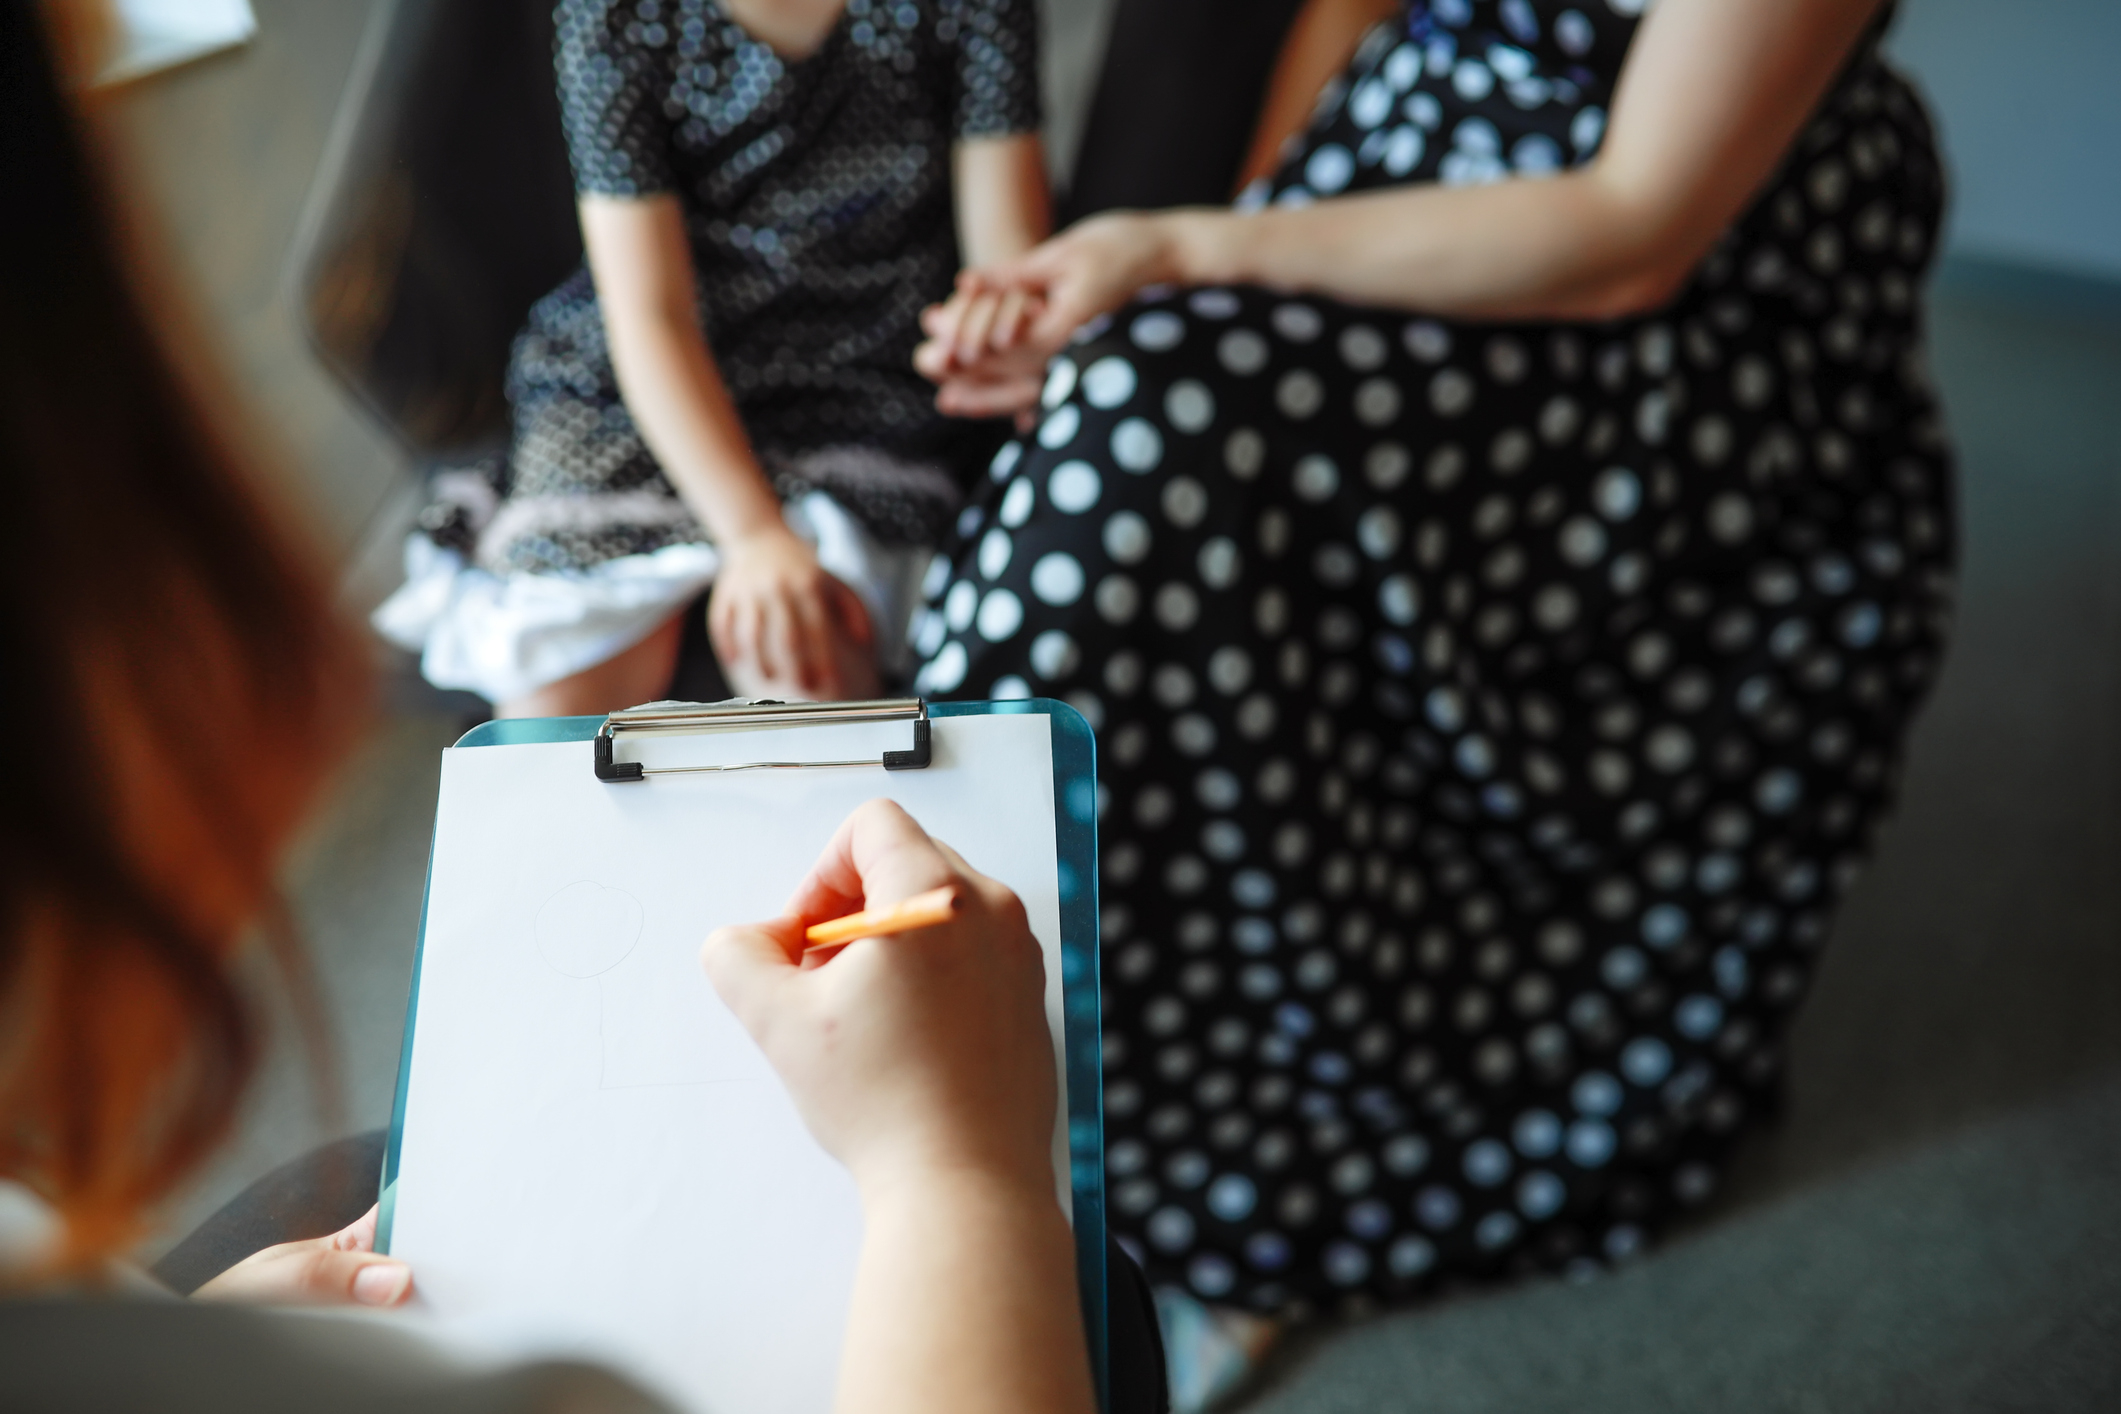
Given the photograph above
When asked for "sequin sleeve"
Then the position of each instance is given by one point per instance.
(612, 57)
(997, 66)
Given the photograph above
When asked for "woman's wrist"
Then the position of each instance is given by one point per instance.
(914, 1188)
(919, 1161)
(1203, 246)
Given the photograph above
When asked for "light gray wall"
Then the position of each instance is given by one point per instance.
(221, 154)
(2028, 94)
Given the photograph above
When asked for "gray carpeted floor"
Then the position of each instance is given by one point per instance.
(1973, 1272)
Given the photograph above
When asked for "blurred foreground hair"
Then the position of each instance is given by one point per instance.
(177, 685)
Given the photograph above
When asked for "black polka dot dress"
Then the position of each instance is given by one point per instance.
(1489, 714)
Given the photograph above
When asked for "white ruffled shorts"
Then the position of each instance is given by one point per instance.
(503, 635)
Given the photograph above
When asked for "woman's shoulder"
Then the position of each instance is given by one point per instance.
(87, 1354)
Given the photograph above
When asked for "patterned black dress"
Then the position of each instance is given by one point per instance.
(1490, 714)
(817, 199)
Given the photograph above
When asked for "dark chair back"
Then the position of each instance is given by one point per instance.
(1177, 101)
(443, 210)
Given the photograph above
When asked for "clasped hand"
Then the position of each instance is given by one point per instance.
(988, 344)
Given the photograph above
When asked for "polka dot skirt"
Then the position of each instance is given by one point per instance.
(1489, 715)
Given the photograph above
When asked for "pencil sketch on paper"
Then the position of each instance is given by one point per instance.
(586, 929)
(656, 1014)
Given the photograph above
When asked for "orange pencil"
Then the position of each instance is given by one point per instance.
(920, 911)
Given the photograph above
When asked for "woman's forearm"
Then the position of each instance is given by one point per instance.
(1562, 248)
(1710, 100)
(965, 1300)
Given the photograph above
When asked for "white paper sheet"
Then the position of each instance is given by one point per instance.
(596, 1159)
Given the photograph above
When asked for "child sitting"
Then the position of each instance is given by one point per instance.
(788, 182)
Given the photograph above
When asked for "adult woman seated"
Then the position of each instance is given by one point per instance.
(173, 705)
(1502, 558)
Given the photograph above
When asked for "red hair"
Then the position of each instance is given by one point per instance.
(178, 687)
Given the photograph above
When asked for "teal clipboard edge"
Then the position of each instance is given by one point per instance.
(1075, 835)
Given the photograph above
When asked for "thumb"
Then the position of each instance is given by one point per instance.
(325, 1275)
(369, 1279)
(749, 962)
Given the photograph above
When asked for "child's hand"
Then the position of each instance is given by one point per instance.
(977, 355)
(977, 339)
(975, 323)
(936, 357)
(1002, 387)
(784, 627)
(1092, 268)
(913, 1055)
(987, 346)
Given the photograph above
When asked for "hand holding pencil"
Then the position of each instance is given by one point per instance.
(906, 1058)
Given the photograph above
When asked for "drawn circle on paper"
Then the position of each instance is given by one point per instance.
(585, 928)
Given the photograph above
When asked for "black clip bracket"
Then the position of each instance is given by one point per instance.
(919, 757)
(610, 770)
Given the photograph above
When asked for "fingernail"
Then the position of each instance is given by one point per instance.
(381, 1283)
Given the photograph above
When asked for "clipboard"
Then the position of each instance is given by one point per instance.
(1075, 835)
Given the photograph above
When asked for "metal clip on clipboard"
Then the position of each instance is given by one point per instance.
(674, 718)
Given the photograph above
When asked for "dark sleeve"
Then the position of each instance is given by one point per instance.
(614, 76)
(90, 1355)
(997, 66)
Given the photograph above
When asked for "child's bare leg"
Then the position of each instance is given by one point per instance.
(639, 674)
